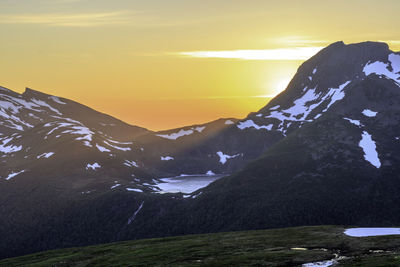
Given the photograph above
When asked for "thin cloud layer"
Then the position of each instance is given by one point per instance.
(296, 53)
(73, 20)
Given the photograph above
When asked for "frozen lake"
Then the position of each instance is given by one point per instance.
(186, 183)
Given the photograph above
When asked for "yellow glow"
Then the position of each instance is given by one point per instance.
(282, 84)
(296, 53)
(123, 57)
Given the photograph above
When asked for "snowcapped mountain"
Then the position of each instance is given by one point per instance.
(323, 81)
(33, 124)
(324, 151)
(48, 136)
(339, 162)
(336, 159)
(320, 83)
(20, 112)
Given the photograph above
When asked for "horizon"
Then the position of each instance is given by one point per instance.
(143, 64)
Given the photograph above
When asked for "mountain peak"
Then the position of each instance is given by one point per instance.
(341, 53)
(336, 64)
(31, 92)
(360, 45)
(324, 79)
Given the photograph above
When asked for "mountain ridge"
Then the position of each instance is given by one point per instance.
(314, 144)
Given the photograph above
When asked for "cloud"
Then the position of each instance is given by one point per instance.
(71, 20)
(295, 53)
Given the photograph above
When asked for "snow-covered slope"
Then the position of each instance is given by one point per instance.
(20, 112)
(47, 136)
(321, 82)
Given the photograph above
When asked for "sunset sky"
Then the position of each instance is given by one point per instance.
(168, 63)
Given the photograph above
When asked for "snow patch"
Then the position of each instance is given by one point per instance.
(182, 132)
(369, 113)
(57, 100)
(167, 158)
(223, 157)
(44, 104)
(117, 147)
(102, 149)
(380, 68)
(250, 123)
(364, 232)
(4, 148)
(93, 166)
(355, 122)
(120, 143)
(114, 186)
(274, 107)
(134, 190)
(13, 174)
(200, 128)
(131, 163)
(301, 108)
(320, 263)
(87, 143)
(369, 147)
(174, 136)
(45, 155)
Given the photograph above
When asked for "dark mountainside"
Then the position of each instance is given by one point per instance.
(324, 151)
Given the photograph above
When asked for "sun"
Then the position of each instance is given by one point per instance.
(281, 85)
(275, 87)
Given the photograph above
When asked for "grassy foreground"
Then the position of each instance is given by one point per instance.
(275, 247)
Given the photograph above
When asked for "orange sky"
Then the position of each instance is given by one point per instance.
(163, 64)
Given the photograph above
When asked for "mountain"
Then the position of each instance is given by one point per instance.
(324, 151)
(338, 165)
(21, 112)
(219, 146)
(60, 158)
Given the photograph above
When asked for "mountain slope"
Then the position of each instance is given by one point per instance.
(23, 111)
(329, 148)
(339, 167)
(342, 168)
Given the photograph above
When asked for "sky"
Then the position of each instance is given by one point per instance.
(163, 64)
